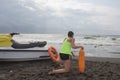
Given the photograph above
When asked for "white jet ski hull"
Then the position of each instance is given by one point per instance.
(23, 54)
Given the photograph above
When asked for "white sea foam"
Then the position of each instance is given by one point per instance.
(100, 46)
(58, 38)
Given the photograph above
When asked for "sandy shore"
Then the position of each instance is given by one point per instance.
(37, 70)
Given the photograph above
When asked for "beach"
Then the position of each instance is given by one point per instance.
(38, 70)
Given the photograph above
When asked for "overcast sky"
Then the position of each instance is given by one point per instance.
(60, 16)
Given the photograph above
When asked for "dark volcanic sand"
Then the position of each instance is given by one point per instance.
(38, 70)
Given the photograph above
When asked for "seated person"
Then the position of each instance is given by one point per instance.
(6, 40)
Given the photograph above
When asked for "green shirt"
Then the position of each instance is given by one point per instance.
(66, 47)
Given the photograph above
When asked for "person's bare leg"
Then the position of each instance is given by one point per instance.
(63, 70)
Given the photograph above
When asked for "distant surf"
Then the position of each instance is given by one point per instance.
(95, 45)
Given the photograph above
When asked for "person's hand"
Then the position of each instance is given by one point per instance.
(81, 47)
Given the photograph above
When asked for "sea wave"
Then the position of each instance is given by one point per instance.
(90, 38)
(94, 45)
(58, 39)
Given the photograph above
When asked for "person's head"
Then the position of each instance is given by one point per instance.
(70, 34)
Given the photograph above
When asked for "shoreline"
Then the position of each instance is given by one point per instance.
(101, 59)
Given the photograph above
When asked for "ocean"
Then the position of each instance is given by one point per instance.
(94, 45)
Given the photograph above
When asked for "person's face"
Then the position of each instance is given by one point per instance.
(72, 35)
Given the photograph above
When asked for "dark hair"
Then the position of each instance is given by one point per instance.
(70, 34)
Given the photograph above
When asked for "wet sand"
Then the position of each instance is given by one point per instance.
(38, 70)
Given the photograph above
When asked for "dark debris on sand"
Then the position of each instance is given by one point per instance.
(38, 70)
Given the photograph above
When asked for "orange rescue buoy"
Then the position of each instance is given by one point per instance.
(81, 61)
(52, 51)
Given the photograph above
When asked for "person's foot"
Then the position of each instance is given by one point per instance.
(51, 72)
(61, 65)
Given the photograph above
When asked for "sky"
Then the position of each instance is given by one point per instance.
(60, 16)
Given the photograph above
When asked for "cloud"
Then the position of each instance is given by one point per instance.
(60, 6)
(40, 16)
(102, 15)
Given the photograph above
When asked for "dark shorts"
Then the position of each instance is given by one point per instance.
(64, 56)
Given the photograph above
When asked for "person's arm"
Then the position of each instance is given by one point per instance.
(64, 39)
(72, 40)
